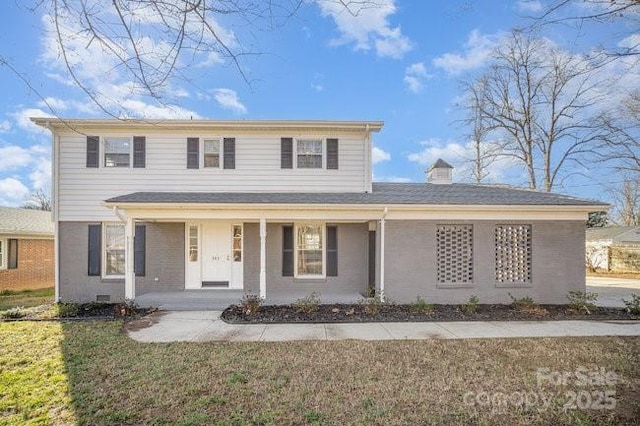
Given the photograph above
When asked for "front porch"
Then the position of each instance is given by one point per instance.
(219, 299)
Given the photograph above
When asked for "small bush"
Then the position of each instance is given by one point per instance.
(581, 302)
(66, 309)
(7, 292)
(471, 305)
(527, 306)
(250, 304)
(372, 305)
(127, 309)
(13, 313)
(308, 304)
(633, 305)
(420, 306)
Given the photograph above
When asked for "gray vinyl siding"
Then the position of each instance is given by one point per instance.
(164, 260)
(410, 263)
(352, 264)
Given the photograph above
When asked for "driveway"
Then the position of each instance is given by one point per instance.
(611, 291)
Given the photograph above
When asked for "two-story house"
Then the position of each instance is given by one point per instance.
(282, 209)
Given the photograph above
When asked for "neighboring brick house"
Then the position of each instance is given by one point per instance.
(26, 249)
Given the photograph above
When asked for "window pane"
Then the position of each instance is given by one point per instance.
(211, 153)
(309, 161)
(116, 152)
(309, 154)
(310, 262)
(310, 237)
(114, 249)
(237, 243)
(309, 245)
(193, 244)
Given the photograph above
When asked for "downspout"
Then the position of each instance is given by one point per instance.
(382, 222)
(118, 213)
(368, 168)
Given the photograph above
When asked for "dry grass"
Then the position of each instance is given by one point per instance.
(25, 298)
(606, 274)
(114, 380)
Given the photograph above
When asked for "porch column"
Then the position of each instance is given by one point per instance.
(382, 222)
(263, 258)
(129, 270)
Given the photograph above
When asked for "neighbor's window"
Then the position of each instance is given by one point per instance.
(193, 243)
(454, 250)
(117, 152)
(513, 254)
(237, 243)
(309, 153)
(114, 246)
(212, 153)
(310, 250)
(3, 263)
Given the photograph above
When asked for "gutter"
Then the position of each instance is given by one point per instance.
(118, 213)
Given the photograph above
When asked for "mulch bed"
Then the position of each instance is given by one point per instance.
(85, 311)
(356, 313)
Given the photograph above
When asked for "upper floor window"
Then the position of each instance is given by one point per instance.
(212, 153)
(309, 154)
(117, 152)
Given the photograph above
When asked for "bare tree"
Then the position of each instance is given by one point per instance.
(38, 200)
(621, 144)
(579, 14)
(484, 154)
(153, 43)
(539, 99)
(626, 203)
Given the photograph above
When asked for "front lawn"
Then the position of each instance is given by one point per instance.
(90, 373)
(25, 298)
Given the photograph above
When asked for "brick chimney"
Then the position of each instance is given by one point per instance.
(440, 173)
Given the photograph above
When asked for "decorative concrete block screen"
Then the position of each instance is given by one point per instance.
(455, 254)
(513, 253)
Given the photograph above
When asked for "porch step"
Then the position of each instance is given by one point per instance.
(190, 300)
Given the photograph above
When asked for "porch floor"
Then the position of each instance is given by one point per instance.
(218, 299)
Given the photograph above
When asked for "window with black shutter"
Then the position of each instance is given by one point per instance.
(94, 250)
(332, 251)
(139, 250)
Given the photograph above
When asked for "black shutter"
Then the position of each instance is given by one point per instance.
(286, 153)
(193, 153)
(332, 251)
(139, 151)
(287, 251)
(332, 154)
(95, 249)
(229, 153)
(139, 250)
(13, 254)
(93, 151)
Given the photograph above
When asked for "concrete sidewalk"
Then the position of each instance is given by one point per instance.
(206, 326)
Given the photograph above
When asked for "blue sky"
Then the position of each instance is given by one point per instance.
(401, 63)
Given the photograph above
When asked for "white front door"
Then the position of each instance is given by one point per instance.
(216, 254)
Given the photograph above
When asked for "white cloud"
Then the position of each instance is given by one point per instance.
(22, 119)
(379, 155)
(478, 48)
(40, 175)
(13, 157)
(392, 179)
(228, 99)
(531, 6)
(54, 103)
(367, 27)
(630, 42)
(414, 77)
(317, 82)
(12, 191)
(5, 126)
(434, 149)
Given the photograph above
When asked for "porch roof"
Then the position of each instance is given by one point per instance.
(382, 194)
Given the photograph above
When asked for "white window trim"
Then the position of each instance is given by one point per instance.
(295, 250)
(324, 152)
(241, 242)
(103, 249)
(5, 254)
(103, 152)
(220, 153)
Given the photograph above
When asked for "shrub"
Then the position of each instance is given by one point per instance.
(66, 309)
(373, 305)
(127, 309)
(471, 305)
(13, 313)
(633, 305)
(420, 306)
(250, 304)
(581, 302)
(527, 305)
(308, 304)
(7, 292)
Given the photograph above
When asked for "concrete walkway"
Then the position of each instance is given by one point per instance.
(206, 326)
(611, 291)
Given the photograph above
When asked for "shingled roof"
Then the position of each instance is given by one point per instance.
(25, 222)
(382, 194)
